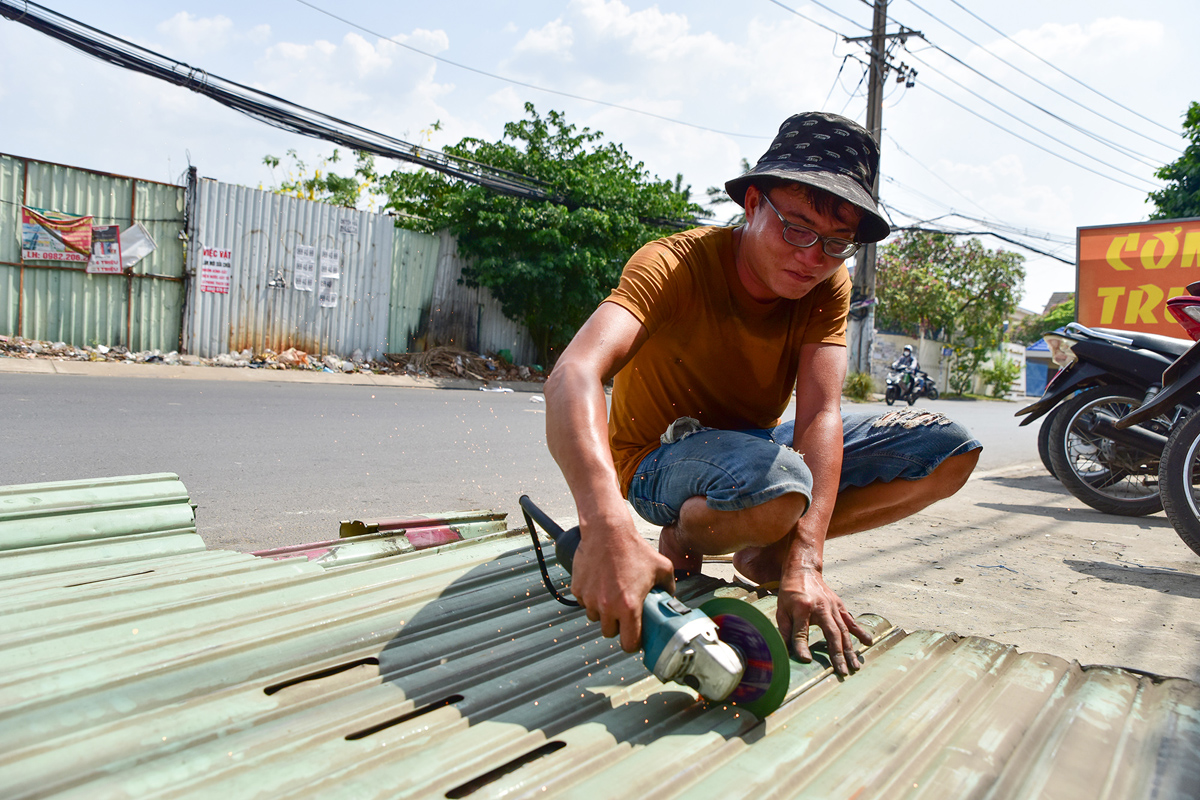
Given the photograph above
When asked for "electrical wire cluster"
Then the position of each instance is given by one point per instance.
(268, 108)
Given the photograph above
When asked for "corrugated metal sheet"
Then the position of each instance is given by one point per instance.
(470, 318)
(12, 178)
(52, 527)
(61, 302)
(263, 309)
(451, 673)
(414, 268)
(367, 540)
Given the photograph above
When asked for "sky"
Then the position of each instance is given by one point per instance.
(1026, 119)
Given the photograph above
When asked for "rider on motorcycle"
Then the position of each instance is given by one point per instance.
(907, 366)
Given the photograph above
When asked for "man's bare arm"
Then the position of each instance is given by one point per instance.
(804, 597)
(614, 568)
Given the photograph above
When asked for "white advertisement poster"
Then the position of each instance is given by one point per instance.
(106, 250)
(216, 270)
(331, 263)
(304, 271)
(327, 296)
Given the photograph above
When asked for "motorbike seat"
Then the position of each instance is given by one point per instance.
(1163, 345)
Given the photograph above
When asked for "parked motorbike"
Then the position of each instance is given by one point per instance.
(920, 386)
(1179, 401)
(1103, 375)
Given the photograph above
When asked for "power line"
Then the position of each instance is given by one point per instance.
(264, 107)
(1047, 86)
(813, 21)
(854, 22)
(1033, 143)
(934, 174)
(1031, 125)
(516, 82)
(280, 113)
(1068, 75)
(924, 228)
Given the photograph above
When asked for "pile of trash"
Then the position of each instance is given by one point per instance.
(440, 362)
(296, 359)
(16, 347)
(450, 362)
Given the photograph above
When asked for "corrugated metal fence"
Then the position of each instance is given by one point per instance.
(60, 301)
(265, 241)
(471, 318)
(394, 291)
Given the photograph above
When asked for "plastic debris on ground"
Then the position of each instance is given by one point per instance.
(439, 362)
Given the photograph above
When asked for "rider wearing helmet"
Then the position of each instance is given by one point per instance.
(907, 365)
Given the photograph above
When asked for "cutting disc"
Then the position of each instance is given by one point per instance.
(768, 668)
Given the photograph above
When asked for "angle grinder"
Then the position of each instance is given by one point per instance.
(727, 650)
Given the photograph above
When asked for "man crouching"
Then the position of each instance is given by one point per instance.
(705, 338)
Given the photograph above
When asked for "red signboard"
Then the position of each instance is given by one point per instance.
(1126, 274)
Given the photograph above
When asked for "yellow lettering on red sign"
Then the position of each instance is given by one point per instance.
(1170, 249)
(1191, 249)
(1126, 273)
(1142, 302)
(1128, 244)
(1109, 295)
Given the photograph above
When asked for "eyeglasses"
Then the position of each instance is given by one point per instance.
(800, 236)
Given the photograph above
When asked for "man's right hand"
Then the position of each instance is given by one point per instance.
(612, 572)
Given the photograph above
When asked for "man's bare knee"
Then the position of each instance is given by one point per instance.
(771, 521)
(712, 531)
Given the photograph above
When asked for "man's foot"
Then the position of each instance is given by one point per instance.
(760, 565)
(685, 562)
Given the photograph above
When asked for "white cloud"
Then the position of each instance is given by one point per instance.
(553, 38)
(192, 35)
(1101, 39)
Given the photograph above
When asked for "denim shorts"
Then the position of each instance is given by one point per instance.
(742, 469)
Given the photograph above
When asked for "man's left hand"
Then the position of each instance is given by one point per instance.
(805, 599)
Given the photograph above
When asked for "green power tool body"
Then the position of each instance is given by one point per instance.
(727, 650)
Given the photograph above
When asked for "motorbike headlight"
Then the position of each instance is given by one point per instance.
(1060, 350)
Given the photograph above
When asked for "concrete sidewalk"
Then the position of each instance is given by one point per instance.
(117, 369)
(1012, 557)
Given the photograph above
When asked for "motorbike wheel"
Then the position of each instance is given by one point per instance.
(911, 397)
(1108, 476)
(932, 393)
(1179, 479)
(1043, 443)
(890, 396)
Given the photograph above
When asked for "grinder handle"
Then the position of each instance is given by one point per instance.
(565, 542)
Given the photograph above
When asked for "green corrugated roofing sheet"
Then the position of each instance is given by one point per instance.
(450, 672)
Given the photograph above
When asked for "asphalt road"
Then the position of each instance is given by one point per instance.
(272, 464)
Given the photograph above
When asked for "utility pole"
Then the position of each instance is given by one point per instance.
(862, 310)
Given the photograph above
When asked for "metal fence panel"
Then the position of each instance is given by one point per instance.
(61, 302)
(263, 307)
(469, 317)
(414, 268)
(12, 178)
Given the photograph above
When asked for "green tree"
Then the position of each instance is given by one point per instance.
(549, 264)
(325, 185)
(1031, 328)
(1181, 196)
(929, 285)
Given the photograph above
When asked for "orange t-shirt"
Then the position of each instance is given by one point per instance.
(713, 353)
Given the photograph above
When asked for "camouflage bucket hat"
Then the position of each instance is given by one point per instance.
(829, 152)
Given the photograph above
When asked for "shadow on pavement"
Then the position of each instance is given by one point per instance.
(1081, 515)
(1167, 581)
